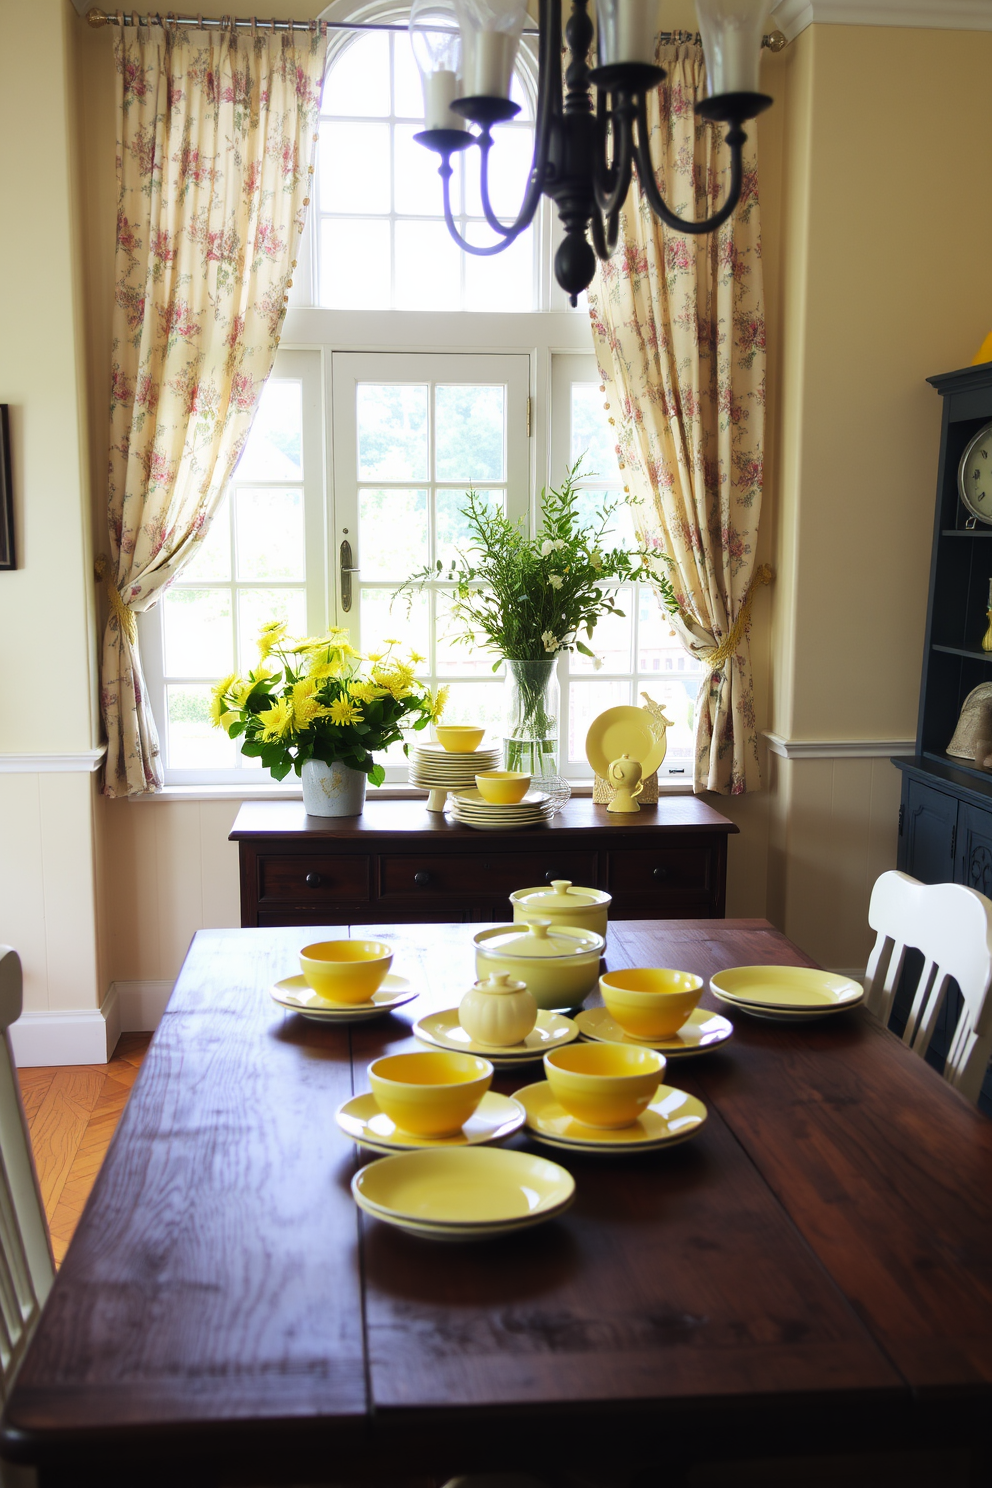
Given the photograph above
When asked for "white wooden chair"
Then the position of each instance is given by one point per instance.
(26, 1266)
(952, 926)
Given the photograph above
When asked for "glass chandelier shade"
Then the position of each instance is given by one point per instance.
(592, 130)
(437, 51)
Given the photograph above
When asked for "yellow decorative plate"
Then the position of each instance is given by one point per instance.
(552, 1031)
(496, 1118)
(463, 1190)
(625, 730)
(796, 989)
(702, 1031)
(295, 994)
(673, 1116)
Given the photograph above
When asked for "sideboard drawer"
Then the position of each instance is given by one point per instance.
(492, 874)
(664, 870)
(302, 879)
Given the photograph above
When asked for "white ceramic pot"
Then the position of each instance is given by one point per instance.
(498, 1011)
(332, 790)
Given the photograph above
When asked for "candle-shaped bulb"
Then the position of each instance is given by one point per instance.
(627, 31)
(437, 51)
(732, 32)
(490, 37)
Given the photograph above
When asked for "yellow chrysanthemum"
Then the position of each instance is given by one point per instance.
(437, 703)
(270, 635)
(317, 671)
(306, 708)
(365, 692)
(262, 672)
(374, 655)
(277, 721)
(241, 690)
(343, 711)
(392, 641)
(415, 657)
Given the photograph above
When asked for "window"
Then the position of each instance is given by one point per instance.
(380, 411)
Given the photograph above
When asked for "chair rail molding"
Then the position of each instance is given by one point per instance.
(46, 764)
(793, 16)
(792, 749)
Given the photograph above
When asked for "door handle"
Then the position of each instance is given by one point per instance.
(346, 568)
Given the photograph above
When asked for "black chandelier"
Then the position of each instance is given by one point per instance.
(585, 149)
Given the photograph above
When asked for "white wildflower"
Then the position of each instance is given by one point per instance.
(546, 548)
(558, 544)
(555, 580)
(598, 663)
(550, 641)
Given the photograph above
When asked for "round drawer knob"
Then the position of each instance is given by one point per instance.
(551, 875)
(421, 880)
(659, 873)
(314, 880)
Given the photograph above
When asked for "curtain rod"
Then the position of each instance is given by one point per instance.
(774, 41)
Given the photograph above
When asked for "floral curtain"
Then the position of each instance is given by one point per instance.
(679, 330)
(216, 134)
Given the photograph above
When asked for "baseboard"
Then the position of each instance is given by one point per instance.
(142, 1004)
(67, 1036)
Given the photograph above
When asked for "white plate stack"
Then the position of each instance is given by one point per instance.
(438, 770)
(469, 808)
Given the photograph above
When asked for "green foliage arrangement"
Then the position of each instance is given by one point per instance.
(318, 698)
(528, 598)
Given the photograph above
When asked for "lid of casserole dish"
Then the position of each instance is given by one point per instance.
(538, 940)
(563, 895)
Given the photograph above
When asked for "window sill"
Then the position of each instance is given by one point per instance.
(396, 792)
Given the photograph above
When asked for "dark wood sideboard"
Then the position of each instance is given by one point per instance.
(399, 863)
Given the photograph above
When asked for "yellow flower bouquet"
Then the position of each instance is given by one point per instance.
(319, 699)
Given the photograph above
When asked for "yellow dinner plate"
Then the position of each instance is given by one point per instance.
(551, 1031)
(625, 730)
(473, 800)
(297, 996)
(797, 989)
(463, 1187)
(496, 1117)
(463, 1234)
(701, 1032)
(673, 1116)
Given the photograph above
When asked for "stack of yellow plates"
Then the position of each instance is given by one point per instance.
(786, 994)
(702, 1032)
(463, 1193)
(672, 1117)
(495, 1118)
(469, 807)
(443, 1031)
(296, 994)
(432, 767)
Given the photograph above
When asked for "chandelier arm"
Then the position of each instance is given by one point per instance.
(611, 183)
(605, 234)
(445, 173)
(735, 138)
(485, 145)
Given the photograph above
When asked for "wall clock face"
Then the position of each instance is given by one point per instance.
(975, 475)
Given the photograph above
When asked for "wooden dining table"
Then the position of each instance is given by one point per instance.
(812, 1274)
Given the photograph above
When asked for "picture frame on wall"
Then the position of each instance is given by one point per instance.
(7, 558)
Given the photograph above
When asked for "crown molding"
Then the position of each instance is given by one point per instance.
(793, 16)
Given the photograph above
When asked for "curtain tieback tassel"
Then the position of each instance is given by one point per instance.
(123, 612)
(720, 655)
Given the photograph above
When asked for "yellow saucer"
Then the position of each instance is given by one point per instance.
(798, 989)
(495, 1118)
(297, 996)
(463, 1188)
(701, 1032)
(673, 1116)
(552, 1031)
(463, 1234)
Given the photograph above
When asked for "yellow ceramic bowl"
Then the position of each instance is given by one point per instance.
(502, 787)
(649, 1002)
(606, 1085)
(430, 1095)
(346, 971)
(458, 738)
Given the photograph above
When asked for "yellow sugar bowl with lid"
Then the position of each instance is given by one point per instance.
(649, 1001)
(564, 904)
(346, 970)
(560, 964)
(430, 1095)
(498, 1011)
(459, 738)
(606, 1085)
(502, 787)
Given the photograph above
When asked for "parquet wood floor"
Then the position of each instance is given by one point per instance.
(72, 1114)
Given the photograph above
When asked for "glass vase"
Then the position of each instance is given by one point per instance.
(531, 711)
